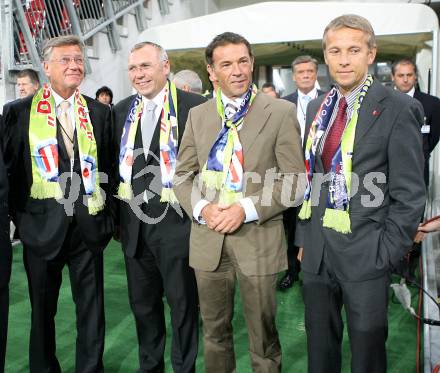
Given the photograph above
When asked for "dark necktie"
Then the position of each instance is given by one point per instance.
(334, 135)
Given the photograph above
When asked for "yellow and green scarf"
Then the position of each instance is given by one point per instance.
(44, 149)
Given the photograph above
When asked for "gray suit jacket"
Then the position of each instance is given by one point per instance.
(271, 143)
(386, 209)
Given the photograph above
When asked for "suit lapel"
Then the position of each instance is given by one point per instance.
(370, 111)
(213, 127)
(254, 122)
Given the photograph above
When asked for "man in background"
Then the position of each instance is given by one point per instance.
(269, 89)
(104, 95)
(304, 74)
(188, 81)
(404, 76)
(27, 83)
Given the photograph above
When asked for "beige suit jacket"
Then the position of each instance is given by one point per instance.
(270, 137)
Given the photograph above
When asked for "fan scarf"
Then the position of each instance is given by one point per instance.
(44, 149)
(168, 142)
(224, 168)
(336, 214)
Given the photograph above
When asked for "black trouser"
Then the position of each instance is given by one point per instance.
(289, 221)
(86, 278)
(5, 275)
(365, 304)
(161, 266)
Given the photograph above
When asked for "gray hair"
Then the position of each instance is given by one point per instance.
(189, 78)
(163, 56)
(61, 41)
(352, 21)
(304, 59)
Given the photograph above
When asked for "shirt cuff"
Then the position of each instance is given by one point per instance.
(197, 210)
(249, 209)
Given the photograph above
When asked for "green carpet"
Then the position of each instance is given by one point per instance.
(121, 346)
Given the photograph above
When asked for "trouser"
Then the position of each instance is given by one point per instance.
(86, 279)
(365, 304)
(161, 266)
(216, 295)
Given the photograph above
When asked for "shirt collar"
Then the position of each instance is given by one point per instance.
(312, 94)
(411, 92)
(158, 99)
(58, 99)
(234, 101)
(351, 96)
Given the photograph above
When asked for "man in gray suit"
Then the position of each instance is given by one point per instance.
(359, 220)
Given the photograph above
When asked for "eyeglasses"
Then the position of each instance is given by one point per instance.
(67, 60)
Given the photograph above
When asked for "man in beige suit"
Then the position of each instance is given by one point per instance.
(245, 146)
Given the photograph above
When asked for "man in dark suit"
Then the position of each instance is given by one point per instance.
(154, 231)
(5, 259)
(55, 143)
(404, 75)
(359, 220)
(304, 74)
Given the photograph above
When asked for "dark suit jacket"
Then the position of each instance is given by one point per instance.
(388, 205)
(293, 97)
(43, 224)
(146, 176)
(431, 107)
(5, 243)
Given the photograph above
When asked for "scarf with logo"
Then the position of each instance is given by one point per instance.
(336, 214)
(224, 168)
(168, 142)
(44, 149)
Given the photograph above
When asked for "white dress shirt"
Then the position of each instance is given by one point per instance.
(158, 100)
(247, 204)
(58, 100)
(301, 109)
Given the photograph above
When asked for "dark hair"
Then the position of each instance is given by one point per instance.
(403, 61)
(225, 39)
(105, 89)
(268, 85)
(31, 74)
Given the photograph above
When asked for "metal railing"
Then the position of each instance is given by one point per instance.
(34, 21)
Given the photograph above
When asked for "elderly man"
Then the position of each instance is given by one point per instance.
(27, 83)
(56, 150)
(154, 231)
(359, 220)
(246, 147)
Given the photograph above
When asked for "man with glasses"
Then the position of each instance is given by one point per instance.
(56, 151)
(153, 228)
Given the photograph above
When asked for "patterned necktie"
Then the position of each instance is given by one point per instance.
(148, 126)
(334, 135)
(66, 127)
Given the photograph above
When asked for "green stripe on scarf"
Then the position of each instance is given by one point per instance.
(334, 218)
(44, 149)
